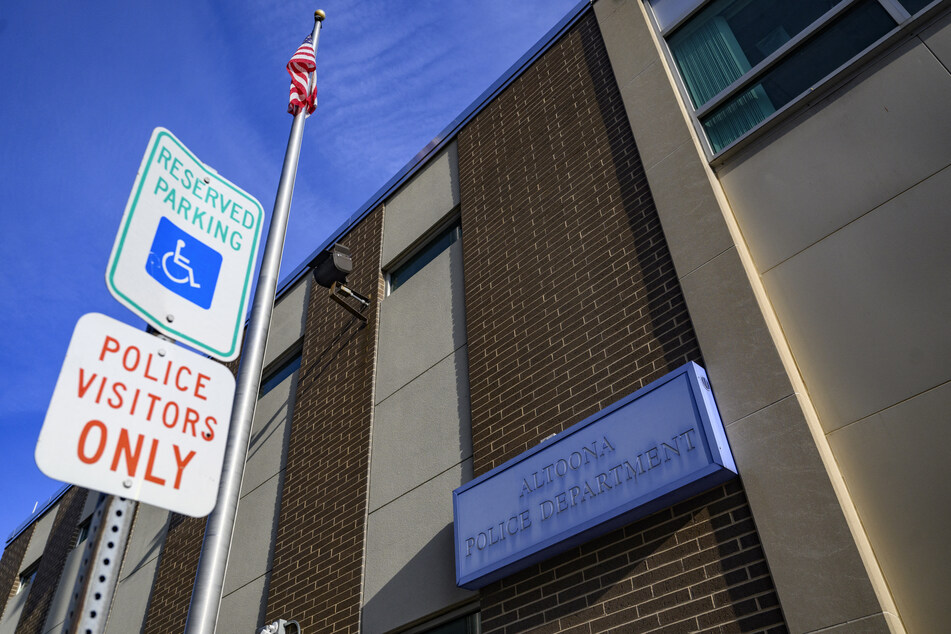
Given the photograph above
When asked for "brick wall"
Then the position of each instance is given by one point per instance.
(61, 540)
(178, 564)
(572, 303)
(318, 555)
(11, 564)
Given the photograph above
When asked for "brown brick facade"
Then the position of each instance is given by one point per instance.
(318, 555)
(178, 564)
(572, 303)
(62, 539)
(12, 563)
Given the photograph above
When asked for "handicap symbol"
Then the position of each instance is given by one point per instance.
(183, 263)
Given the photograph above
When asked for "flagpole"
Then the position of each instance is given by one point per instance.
(209, 580)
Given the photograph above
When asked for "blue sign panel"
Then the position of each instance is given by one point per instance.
(183, 264)
(656, 447)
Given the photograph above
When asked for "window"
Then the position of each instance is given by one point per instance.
(284, 370)
(424, 256)
(742, 61)
(27, 576)
(451, 623)
(83, 531)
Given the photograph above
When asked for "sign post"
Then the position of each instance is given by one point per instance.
(184, 255)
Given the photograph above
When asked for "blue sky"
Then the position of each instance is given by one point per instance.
(84, 84)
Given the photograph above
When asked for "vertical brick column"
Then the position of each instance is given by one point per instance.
(62, 539)
(11, 564)
(178, 565)
(572, 302)
(318, 555)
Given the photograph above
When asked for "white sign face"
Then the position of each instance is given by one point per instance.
(137, 416)
(185, 251)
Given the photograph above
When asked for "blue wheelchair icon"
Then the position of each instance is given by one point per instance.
(183, 264)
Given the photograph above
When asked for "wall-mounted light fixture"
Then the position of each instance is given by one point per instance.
(330, 270)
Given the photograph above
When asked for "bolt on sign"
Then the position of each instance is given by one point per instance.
(185, 251)
(137, 416)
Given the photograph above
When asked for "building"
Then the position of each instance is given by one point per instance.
(751, 187)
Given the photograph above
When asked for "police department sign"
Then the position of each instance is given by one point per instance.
(186, 248)
(654, 448)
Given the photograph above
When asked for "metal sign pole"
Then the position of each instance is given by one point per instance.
(206, 596)
(99, 572)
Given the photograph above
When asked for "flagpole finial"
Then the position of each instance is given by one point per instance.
(319, 15)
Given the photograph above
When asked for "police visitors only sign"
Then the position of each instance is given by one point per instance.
(185, 251)
(136, 416)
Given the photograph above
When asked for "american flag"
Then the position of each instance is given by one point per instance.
(301, 64)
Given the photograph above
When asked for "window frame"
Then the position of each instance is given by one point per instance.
(452, 222)
(27, 576)
(821, 87)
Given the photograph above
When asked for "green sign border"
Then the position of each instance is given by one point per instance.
(232, 352)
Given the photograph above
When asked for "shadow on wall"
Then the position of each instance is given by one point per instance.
(461, 361)
(326, 357)
(699, 559)
(398, 602)
(654, 263)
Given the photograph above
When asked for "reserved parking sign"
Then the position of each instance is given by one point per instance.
(185, 251)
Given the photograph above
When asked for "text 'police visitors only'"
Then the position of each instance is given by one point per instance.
(136, 416)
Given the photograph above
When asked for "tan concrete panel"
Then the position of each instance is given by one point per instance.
(409, 566)
(938, 39)
(421, 430)
(739, 355)
(814, 561)
(41, 533)
(244, 609)
(654, 114)
(255, 527)
(131, 601)
(689, 212)
(875, 624)
(270, 433)
(67, 581)
(844, 156)
(12, 613)
(421, 323)
(145, 542)
(287, 320)
(866, 310)
(421, 203)
(895, 464)
(627, 38)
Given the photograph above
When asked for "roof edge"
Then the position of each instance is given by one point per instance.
(36, 515)
(442, 139)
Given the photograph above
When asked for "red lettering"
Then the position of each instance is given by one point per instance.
(165, 415)
(153, 398)
(148, 366)
(106, 347)
(148, 468)
(181, 464)
(124, 446)
(102, 386)
(191, 417)
(115, 390)
(84, 388)
(199, 384)
(84, 435)
(210, 434)
(125, 358)
(178, 376)
(135, 400)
